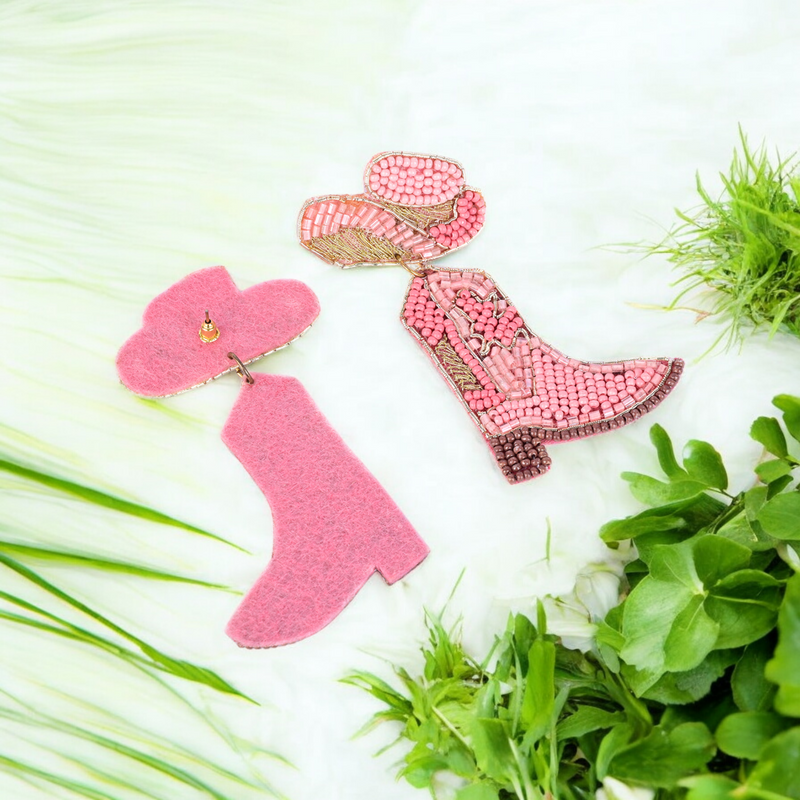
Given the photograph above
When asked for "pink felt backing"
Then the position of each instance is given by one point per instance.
(333, 523)
(167, 355)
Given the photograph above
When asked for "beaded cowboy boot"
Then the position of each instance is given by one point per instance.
(519, 391)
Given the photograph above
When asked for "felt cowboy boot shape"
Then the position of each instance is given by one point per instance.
(518, 390)
(333, 523)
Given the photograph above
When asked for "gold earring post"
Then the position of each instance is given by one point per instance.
(209, 332)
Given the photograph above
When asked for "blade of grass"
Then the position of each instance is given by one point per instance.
(80, 789)
(79, 635)
(93, 562)
(106, 500)
(181, 669)
(145, 737)
(106, 777)
(140, 757)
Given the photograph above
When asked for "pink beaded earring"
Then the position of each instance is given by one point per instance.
(520, 391)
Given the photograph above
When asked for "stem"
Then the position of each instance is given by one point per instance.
(449, 725)
(527, 790)
(733, 510)
(619, 691)
(744, 792)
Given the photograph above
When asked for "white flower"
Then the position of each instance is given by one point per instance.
(596, 592)
(570, 622)
(789, 555)
(573, 606)
(613, 789)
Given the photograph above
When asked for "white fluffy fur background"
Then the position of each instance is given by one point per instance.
(142, 140)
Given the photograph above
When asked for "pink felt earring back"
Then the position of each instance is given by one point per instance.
(333, 522)
(168, 355)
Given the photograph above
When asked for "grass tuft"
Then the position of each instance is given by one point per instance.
(743, 245)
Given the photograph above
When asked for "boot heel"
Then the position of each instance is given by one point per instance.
(401, 556)
(520, 454)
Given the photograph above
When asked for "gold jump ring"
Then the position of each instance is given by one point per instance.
(241, 368)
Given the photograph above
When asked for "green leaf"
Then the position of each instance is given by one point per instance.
(657, 493)
(421, 768)
(381, 690)
(615, 740)
(751, 689)
(749, 584)
(666, 455)
(671, 621)
(778, 769)
(477, 791)
(739, 624)
(784, 668)
(629, 528)
(716, 557)
(105, 500)
(791, 413)
(704, 464)
(710, 710)
(692, 636)
(745, 733)
(780, 516)
(647, 619)
(675, 563)
(769, 471)
(524, 635)
(680, 688)
(587, 719)
(537, 703)
(767, 431)
(459, 759)
(745, 604)
(738, 529)
(640, 681)
(709, 787)
(663, 758)
(689, 516)
(492, 746)
(754, 500)
(777, 485)
(607, 635)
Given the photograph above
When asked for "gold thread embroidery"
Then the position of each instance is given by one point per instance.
(461, 374)
(355, 246)
(424, 217)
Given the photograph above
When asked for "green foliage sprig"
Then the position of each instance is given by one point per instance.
(692, 688)
(745, 246)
